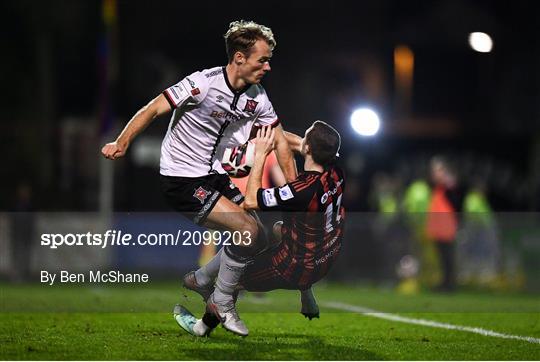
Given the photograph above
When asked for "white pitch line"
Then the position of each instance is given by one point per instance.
(425, 322)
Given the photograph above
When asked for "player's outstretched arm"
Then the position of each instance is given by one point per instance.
(136, 125)
(295, 141)
(264, 144)
(284, 155)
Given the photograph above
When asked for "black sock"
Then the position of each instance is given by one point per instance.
(210, 320)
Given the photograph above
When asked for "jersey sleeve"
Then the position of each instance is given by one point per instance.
(190, 90)
(294, 196)
(268, 115)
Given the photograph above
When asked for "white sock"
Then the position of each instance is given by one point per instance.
(199, 328)
(207, 273)
(230, 272)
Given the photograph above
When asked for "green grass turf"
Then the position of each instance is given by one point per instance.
(118, 323)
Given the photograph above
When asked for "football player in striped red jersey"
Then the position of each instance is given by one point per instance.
(309, 238)
(313, 215)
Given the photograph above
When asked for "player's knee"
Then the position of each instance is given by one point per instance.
(250, 231)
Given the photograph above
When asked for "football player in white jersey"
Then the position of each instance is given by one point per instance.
(212, 109)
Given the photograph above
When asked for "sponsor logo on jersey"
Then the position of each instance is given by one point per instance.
(269, 199)
(225, 114)
(328, 255)
(214, 73)
(285, 193)
(251, 105)
(176, 93)
(191, 83)
(219, 98)
(201, 194)
(325, 196)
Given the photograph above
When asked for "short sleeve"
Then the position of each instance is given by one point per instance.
(190, 90)
(268, 115)
(294, 196)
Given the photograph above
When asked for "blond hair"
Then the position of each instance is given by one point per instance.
(243, 34)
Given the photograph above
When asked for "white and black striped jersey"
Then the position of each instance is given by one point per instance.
(208, 116)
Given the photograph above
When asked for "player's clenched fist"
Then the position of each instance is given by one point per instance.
(113, 150)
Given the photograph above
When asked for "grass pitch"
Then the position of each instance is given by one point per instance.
(119, 323)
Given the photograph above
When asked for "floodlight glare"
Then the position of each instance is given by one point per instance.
(365, 122)
(480, 42)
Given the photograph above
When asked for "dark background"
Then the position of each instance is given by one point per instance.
(70, 82)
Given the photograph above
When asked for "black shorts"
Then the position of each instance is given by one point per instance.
(195, 197)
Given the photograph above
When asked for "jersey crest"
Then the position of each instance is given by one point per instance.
(251, 106)
(201, 194)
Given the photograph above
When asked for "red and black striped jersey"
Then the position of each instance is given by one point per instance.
(313, 221)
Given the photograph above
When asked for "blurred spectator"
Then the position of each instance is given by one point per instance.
(387, 228)
(415, 204)
(479, 250)
(442, 218)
